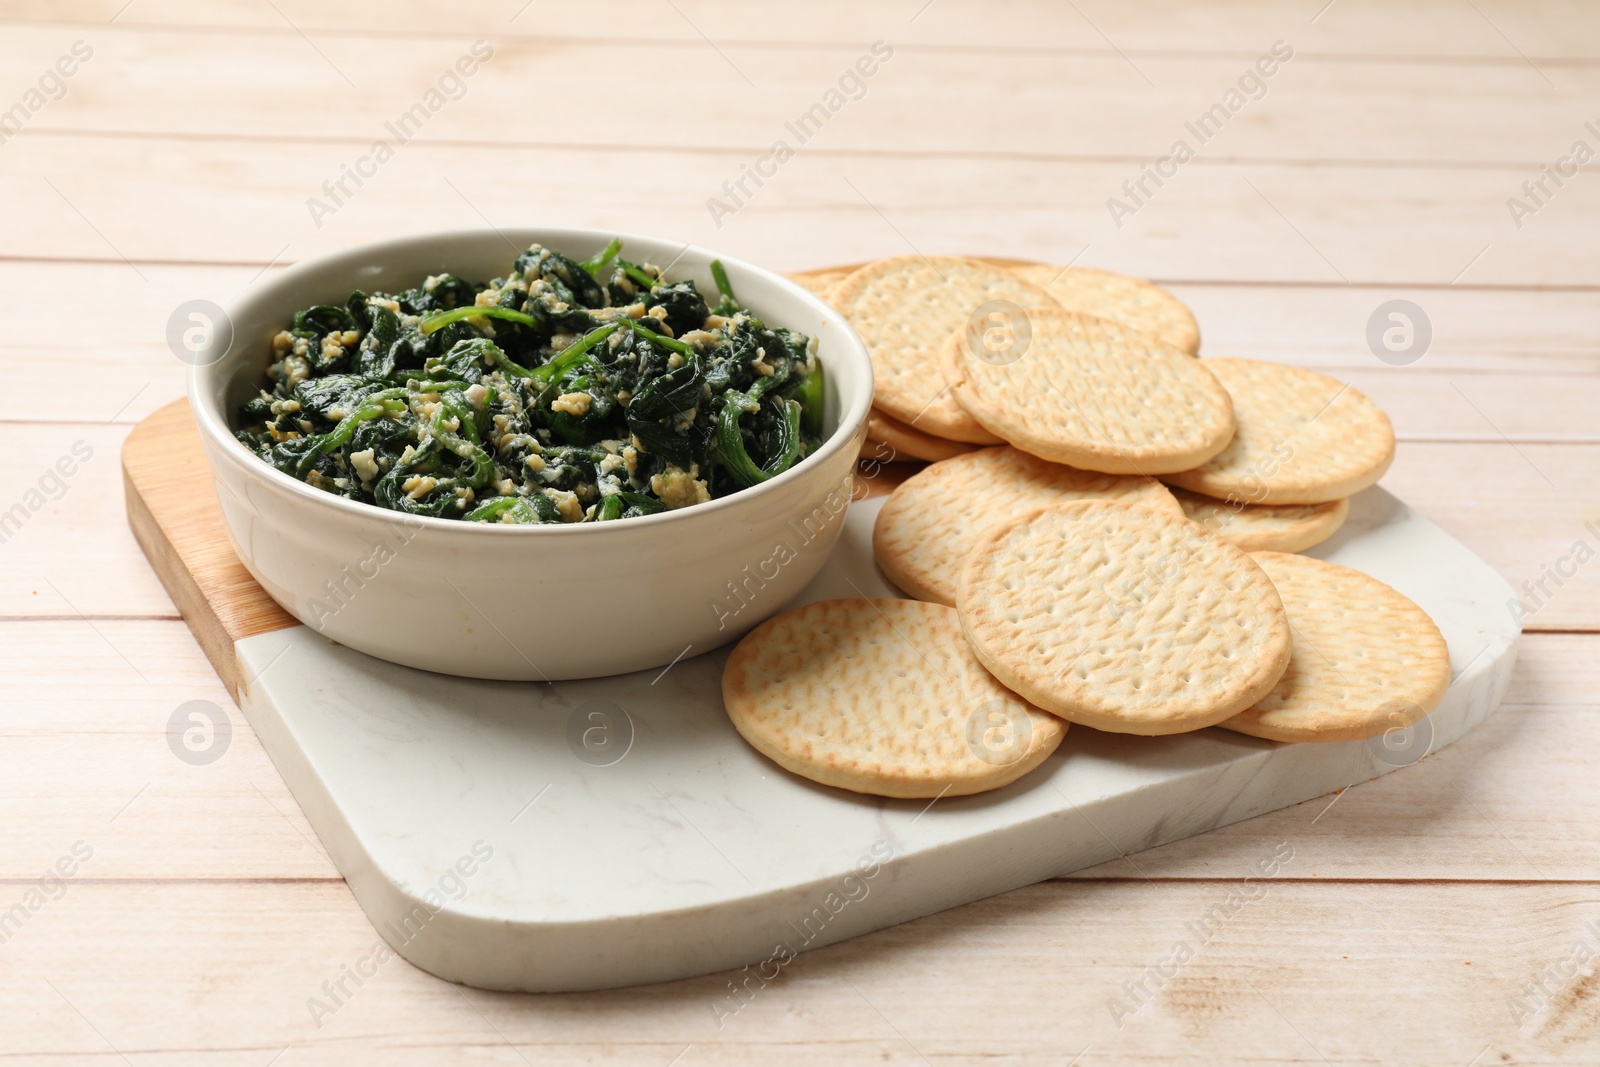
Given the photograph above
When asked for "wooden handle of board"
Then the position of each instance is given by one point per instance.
(177, 521)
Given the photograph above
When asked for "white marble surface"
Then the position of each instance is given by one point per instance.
(683, 851)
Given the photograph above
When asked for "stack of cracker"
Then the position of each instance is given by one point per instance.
(1105, 537)
(909, 306)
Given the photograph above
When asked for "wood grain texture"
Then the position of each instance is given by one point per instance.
(211, 201)
(1557, 35)
(178, 165)
(179, 525)
(1281, 979)
(349, 90)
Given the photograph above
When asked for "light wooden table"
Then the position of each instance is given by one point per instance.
(1440, 915)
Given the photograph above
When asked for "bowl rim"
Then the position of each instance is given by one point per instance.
(215, 424)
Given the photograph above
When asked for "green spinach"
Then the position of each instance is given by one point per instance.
(562, 392)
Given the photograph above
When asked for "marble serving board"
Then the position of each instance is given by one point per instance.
(585, 835)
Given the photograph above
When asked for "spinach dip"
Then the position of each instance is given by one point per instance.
(563, 392)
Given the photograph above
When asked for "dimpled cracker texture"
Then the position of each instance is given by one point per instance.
(1303, 438)
(1265, 527)
(1093, 394)
(883, 697)
(931, 521)
(1366, 659)
(1133, 302)
(904, 309)
(1122, 618)
(909, 443)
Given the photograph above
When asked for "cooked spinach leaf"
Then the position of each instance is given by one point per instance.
(563, 392)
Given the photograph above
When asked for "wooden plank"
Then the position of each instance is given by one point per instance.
(1553, 35)
(1526, 509)
(1276, 979)
(1474, 330)
(214, 202)
(1120, 114)
(1469, 407)
(119, 359)
(86, 754)
(65, 547)
(113, 363)
(1099, 106)
(1527, 360)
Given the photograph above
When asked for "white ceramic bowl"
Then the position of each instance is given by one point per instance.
(527, 602)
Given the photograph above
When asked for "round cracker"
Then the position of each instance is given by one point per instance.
(910, 443)
(904, 309)
(932, 520)
(1093, 394)
(821, 282)
(883, 697)
(1265, 527)
(1134, 302)
(1122, 618)
(1303, 438)
(1366, 658)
